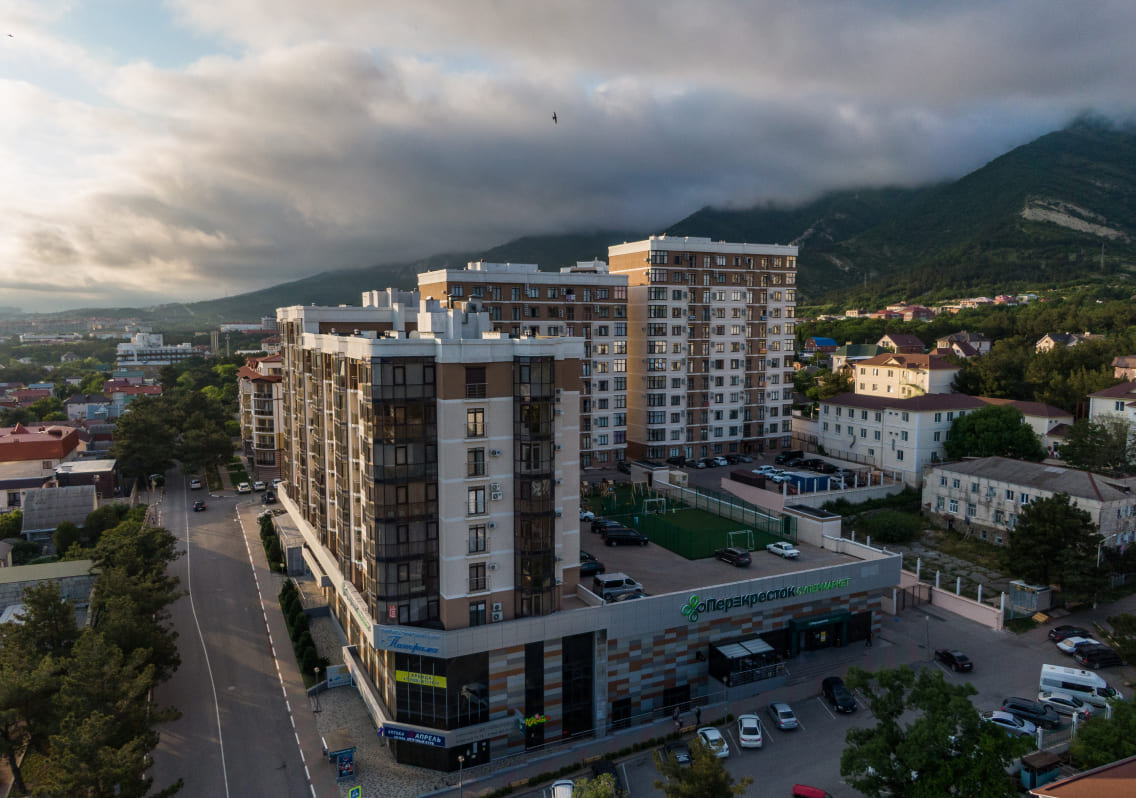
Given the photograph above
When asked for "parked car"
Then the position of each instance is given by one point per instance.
(623, 536)
(720, 461)
(679, 750)
(826, 468)
(1059, 633)
(603, 767)
(608, 586)
(732, 459)
(805, 791)
(782, 715)
(794, 462)
(259, 485)
(836, 482)
(1010, 724)
(623, 467)
(955, 660)
(779, 478)
(709, 462)
(276, 482)
(744, 458)
(713, 739)
(587, 515)
(1065, 703)
(749, 731)
(198, 506)
(195, 484)
(244, 487)
(734, 556)
(787, 455)
(1036, 713)
(591, 567)
(695, 464)
(600, 524)
(812, 463)
(563, 788)
(638, 594)
(766, 469)
(837, 694)
(1071, 645)
(676, 461)
(586, 556)
(269, 497)
(1097, 657)
(783, 549)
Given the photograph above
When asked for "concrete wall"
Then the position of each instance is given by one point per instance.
(992, 617)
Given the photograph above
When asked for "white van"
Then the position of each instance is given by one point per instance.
(1085, 685)
(608, 586)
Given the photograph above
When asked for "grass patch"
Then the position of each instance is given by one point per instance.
(972, 550)
(1020, 625)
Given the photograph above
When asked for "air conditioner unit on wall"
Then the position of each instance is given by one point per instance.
(496, 496)
(559, 513)
(492, 524)
(491, 566)
(494, 452)
(495, 486)
(497, 617)
(559, 580)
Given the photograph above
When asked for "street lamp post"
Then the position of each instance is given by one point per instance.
(461, 784)
(1100, 546)
(927, 628)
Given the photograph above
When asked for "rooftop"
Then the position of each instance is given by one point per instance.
(1044, 477)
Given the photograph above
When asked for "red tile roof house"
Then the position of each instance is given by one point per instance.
(29, 396)
(902, 343)
(49, 444)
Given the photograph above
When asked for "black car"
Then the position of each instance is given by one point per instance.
(198, 506)
(794, 462)
(812, 463)
(709, 462)
(1097, 657)
(603, 767)
(732, 459)
(679, 750)
(591, 567)
(676, 461)
(788, 455)
(955, 660)
(269, 497)
(837, 694)
(1041, 715)
(600, 524)
(622, 467)
(734, 556)
(1059, 633)
(622, 536)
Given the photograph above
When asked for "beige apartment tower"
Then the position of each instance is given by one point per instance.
(710, 346)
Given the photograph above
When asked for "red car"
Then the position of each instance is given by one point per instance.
(955, 660)
(198, 506)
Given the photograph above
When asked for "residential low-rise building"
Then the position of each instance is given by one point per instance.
(1124, 367)
(46, 444)
(1115, 402)
(900, 436)
(847, 356)
(989, 493)
(1049, 423)
(1049, 341)
(903, 376)
(963, 341)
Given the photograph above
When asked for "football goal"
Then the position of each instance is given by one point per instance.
(741, 538)
(656, 505)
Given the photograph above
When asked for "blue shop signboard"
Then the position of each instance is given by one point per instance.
(413, 736)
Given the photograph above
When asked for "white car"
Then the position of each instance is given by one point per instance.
(779, 478)
(749, 731)
(244, 487)
(1009, 723)
(713, 739)
(721, 461)
(782, 549)
(1065, 703)
(562, 789)
(1070, 644)
(259, 485)
(195, 484)
(587, 515)
(766, 470)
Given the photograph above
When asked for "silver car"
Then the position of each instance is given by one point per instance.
(782, 715)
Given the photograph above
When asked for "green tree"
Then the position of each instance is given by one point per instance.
(65, 535)
(144, 438)
(49, 626)
(1099, 445)
(26, 691)
(1056, 542)
(106, 517)
(993, 431)
(1101, 740)
(602, 786)
(1124, 635)
(11, 524)
(705, 777)
(945, 749)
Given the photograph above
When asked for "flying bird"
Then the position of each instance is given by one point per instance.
(554, 118)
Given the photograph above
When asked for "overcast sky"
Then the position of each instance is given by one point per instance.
(190, 149)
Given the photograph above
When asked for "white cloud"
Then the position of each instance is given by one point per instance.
(347, 133)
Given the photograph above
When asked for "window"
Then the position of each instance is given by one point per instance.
(939, 503)
(971, 510)
(475, 462)
(1009, 494)
(938, 417)
(477, 539)
(477, 613)
(477, 580)
(938, 435)
(955, 482)
(475, 501)
(899, 454)
(475, 423)
(974, 487)
(903, 435)
(474, 382)
(1025, 498)
(953, 506)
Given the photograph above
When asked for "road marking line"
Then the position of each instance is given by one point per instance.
(825, 707)
(205, 652)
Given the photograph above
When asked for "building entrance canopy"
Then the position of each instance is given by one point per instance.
(743, 661)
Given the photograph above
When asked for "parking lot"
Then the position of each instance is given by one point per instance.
(1005, 664)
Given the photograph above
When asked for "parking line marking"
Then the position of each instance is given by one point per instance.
(824, 707)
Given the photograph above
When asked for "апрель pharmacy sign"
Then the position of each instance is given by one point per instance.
(695, 606)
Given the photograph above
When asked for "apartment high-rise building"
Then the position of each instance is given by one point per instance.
(261, 399)
(711, 345)
(583, 301)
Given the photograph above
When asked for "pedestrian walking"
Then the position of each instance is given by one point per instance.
(869, 638)
(678, 720)
(698, 716)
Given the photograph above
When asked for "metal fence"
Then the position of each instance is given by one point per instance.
(727, 505)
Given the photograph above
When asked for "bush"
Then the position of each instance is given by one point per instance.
(890, 526)
(300, 627)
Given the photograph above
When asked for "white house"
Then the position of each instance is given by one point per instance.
(988, 494)
(1119, 401)
(903, 375)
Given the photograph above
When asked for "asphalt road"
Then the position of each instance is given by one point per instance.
(235, 736)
